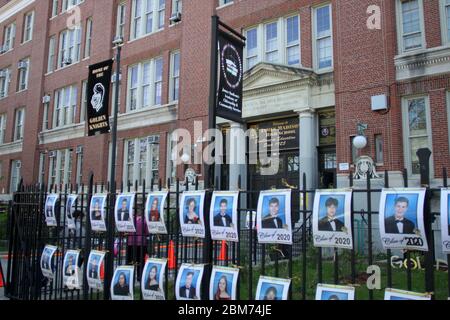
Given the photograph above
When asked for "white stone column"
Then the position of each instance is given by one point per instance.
(308, 149)
(236, 155)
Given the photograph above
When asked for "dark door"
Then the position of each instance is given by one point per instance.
(327, 168)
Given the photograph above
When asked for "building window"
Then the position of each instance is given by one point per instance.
(69, 47)
(177, 6)
(292, 40)
(417, 130)
(120, 21)
(88, 40)
(41, 167)
(9, 36)
(147, 17)
(28, 27)
(224, 2)
(24, 69)
(84, 94)
(141, 160)
(60, 167)
(2, 128)
(69, 4)
(45, 117)
(174, 76)
(79, 178)
(51, 54)
(271, 42)
(323, 37)
(54, 8)
(410, 25)
(65, 106)
(5, 79)
(379, 156)
(252, 47)
(145, 84)
(19, 124)
(16, 166)
(445, 21)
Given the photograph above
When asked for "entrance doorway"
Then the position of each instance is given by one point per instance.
(327, 168)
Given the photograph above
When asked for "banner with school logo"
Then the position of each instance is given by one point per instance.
(231, 76)
(273, 217)
(332, 224)
(98, 88)
(401, 219)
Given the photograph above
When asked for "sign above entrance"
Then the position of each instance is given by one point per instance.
(288, 131)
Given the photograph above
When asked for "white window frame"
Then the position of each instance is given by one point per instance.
(5, 82)
(79, 173)
(51, 54)
(277, 40)
(291, 45)
(45, 126)
(120, 20)
(9, 36)
(22, 83)
(260, 51)
(28, 26)
(60, 174)
(156, 9)
(69, 4)
(60, 109)
(54, 8)
(66, 46)
(153, 144)
(448, 114)
(177, 6)
(140, 84)
(445, 27)
(41, 167)
(174, 77)
(16, 166)
(406, 134)
(3, 118)
(225, 3)
(88, 39)
(400, 34)
(19, 124)
(83, 104)
(315, 39)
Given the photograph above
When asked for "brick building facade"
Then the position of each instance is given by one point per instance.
(311, 66)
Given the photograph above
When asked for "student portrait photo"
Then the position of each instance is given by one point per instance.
(124, 213)
(154, 212)
(93, 269)
(400, 295)
(272, 289)
(122, 285)
(332, 218)
(445, 220)
(401, 219)
(223, 216)
(70, 209)
(70, 269)
(396, 219)
(48, 267)
(329, 219)
(188, 282)
(223, 283)
(191, 214)
(97, 212)
(70, 264)
(333, 292)
(153, 277)
(50, 210)
(274, 214)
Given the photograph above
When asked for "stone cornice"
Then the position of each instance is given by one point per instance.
(13, 7)
(147, 117)
(11, 148)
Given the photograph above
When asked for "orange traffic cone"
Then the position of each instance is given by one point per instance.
(223, 256)
(171, 256)
(102, 271)
(1, 277)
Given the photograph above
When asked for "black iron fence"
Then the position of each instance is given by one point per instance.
(301, 262)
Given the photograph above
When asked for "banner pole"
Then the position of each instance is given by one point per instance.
(112, 181)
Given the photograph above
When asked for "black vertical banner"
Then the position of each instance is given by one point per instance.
(231, 73)
(98, 87)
